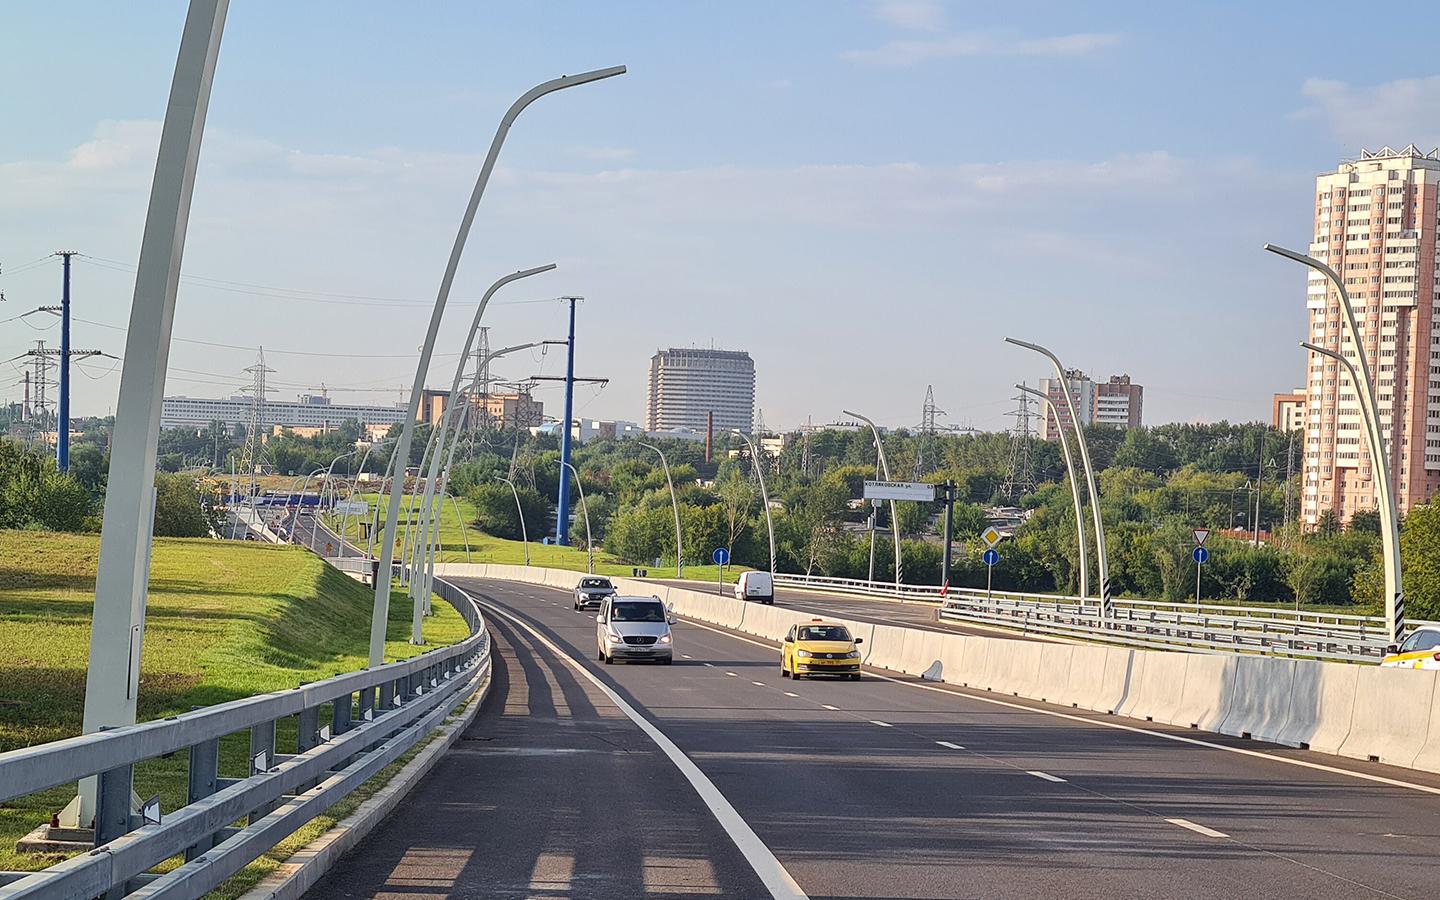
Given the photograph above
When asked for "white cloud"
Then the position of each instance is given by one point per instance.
(919, 15)
(1394, 113)
(603, 153)
(907, 53)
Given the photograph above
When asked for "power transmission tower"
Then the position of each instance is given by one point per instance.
(252, 457)
(43, 360)
(928, 428)
(1020, 477)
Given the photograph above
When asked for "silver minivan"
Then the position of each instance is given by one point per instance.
(634, 628)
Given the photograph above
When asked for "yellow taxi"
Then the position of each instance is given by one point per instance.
(1421, 650)
(819, 647)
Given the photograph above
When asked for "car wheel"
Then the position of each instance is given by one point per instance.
(855, 677)
(667, 661)
(609, 660)
(600, 655)
(784, 673)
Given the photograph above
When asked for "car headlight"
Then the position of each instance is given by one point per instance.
(615, 637)
(803, 654)
(664, 638)
(853, 654)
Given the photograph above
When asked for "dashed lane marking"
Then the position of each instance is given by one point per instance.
(1046, 776)
(950, 745)
(1198, 829)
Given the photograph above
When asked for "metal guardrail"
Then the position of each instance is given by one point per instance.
(376, 715)
(1148, 623)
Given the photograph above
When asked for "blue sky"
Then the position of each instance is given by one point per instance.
(867, 196)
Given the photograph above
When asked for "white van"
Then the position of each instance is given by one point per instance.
(755, 586)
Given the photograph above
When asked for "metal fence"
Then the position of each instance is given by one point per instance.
(1147, 623)
(374, 715)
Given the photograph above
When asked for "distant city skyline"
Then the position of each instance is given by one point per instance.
(835, 206)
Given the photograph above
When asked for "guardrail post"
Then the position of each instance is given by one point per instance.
(112, 804)
(204, 771)
(262, 742)
(387, 695)
(367, 704)
(340, 716)
(307, 735)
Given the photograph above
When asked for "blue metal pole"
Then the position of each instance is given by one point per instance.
(62, 424)
(562, 505)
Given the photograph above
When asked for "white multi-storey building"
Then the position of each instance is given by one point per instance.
(688, 385)
(310, 411)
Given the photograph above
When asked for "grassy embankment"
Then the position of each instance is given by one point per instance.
(225, 620)
(485, 548)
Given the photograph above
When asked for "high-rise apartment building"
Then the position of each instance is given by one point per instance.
(1375, 225)
(686, 385)
(1287, 411)
(1117, 402)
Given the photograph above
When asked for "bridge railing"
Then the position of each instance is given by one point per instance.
(1148, 623)
(374, 715)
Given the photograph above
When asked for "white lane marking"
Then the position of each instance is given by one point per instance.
(791, 694)
(710, 665)
(686, 656)
(1198, 829)
(950, 745)
(758, 683)
(881, 724)
(1118, 726)
(831, 708)
(732, 674)
(775, 877)
(1046, 776)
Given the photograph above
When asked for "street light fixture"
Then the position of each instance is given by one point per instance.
(380, 614)
(1074, 491)
(1107, 605)
(1379, 456)
(885, 471)
(585, 509)
(315, 519)
(675, 505)
(519, 511)
(759, 465)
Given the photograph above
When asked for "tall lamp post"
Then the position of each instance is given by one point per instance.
(759, 466)
(1074, 491)
(1107, 605)
(675, 505)
(1379, 457)
(885, 471)
(519, 511)
(381, 612)
(585, 509)
(316, 518)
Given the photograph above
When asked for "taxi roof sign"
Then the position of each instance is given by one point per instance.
(991, 536)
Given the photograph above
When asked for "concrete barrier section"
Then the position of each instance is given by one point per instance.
(1204, 698)
(1392, 715)
(1259, 691)
(1054, 680)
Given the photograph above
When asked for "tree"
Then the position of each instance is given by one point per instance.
(737, 499)
(495, 511)
(179, 510)
(1420, 561)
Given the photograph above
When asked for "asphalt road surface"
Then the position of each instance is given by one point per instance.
(883, 788)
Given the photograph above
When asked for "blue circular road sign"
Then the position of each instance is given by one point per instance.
(1201, 555)
(990, 557)
(721, 556)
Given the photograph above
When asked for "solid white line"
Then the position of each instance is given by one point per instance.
(791, 694)
(1198, 829)
(1118, 726)
(1047, 776)
(774, 875)
(881, 724)
(950, 745)
(829, 707)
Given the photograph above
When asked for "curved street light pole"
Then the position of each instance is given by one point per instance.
(1074, 492)
(585, 509)
(1107, 605)
(675, 505)
(759, 465)
(350, 498)
(885, 471)
(519, 511)
(315, 519)
(300, 506)
(380, 613)
(1379, 456)
(449, 440)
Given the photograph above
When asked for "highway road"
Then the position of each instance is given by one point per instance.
(884, 612)
(715, 776)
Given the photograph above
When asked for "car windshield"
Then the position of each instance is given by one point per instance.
(1422, 640)
(637, 611)
(594, 583)
(824, 633)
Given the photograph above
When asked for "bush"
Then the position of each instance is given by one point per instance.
(495, 511)
(179, 508)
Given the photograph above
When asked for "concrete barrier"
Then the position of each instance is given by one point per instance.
(1053, 684)
(1160, 686)
(1205, 700)
(1391, 720)
(1260, 691)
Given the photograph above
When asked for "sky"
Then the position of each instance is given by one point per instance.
(867, 196)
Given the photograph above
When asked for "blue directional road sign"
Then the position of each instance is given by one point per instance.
(990, 557)
(721, 556)
(1201, 555)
